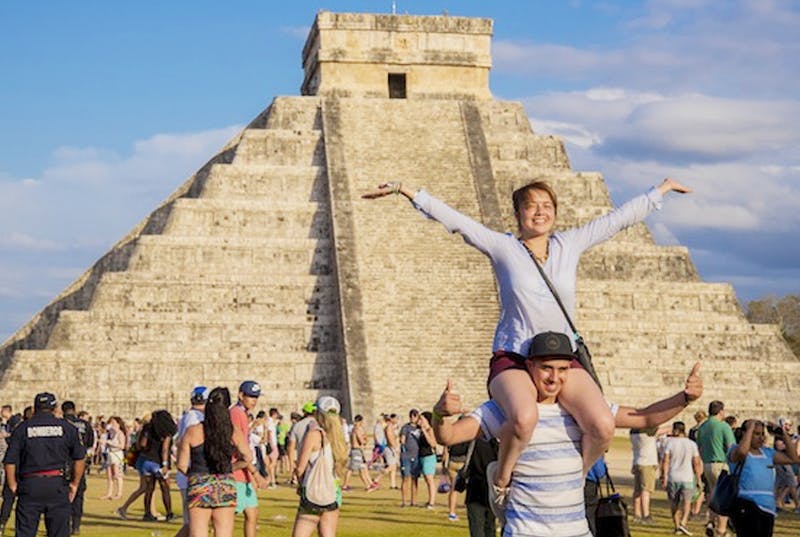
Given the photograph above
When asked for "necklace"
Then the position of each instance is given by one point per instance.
(541, 259)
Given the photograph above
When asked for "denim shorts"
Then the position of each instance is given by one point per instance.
(410, 467)
(147, 467)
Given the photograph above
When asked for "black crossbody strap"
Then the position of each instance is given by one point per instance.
(469, 452)
(552, 290)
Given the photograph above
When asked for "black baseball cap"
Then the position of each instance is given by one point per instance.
(44, 401)
(551, 345)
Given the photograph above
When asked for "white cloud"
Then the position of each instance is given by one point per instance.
(731, 49)
(81, 204)
(15, 240)
(91, 196)
(298, 32)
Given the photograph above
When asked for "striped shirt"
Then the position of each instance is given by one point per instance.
(546, 497)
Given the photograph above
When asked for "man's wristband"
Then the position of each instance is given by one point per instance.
(435, 415)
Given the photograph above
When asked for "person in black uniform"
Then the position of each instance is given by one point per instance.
(40, 450)
(8, 496)
(86, 436)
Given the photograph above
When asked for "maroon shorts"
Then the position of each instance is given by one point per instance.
(504, 360)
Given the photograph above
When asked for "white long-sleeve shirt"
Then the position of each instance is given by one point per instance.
(527, 306)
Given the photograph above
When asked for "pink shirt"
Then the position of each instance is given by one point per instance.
(240, 422)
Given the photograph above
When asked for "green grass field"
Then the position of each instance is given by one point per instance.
(374, 514)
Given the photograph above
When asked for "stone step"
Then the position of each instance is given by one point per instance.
(256, 181)
(769, 393)
(295, 113)
(667, 318)
(212, 255)
(262, 218)
(660, 357)
(194, 331)
(280, 146)
(627, 261)
(731, 327)
(146, 389)
(293, 296)
(501, 117)
(597, 297)
(618, 346)
(277, 371)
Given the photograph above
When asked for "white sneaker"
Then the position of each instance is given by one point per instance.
(498, 496)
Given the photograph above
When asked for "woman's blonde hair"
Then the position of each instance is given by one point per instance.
(331, 423)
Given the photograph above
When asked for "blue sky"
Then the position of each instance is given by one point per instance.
(105, 108)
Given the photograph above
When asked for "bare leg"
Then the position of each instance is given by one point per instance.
(637, 505)
(584, 401)
(687, 508)
(135, 494)
(327, 523)
(513, 390)
(165, 495)
(405, 487)
(365, 478)
(250, 521)
(645, 503)
(198, 521)
(222, 518)
(304, 525)
(346, 480)
(452, 495)
(110, 489)
(120, 482)
(431, 485)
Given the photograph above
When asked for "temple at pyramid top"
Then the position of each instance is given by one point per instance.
(398, 56)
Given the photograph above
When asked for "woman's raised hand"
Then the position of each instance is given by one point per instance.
(671, 185)
(384, 189)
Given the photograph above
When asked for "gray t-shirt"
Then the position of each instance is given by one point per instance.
(410, 435)
(298, 432)
(681, 450)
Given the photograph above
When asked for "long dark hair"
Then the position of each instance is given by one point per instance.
(218, 431)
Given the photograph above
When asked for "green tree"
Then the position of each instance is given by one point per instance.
(784, 311)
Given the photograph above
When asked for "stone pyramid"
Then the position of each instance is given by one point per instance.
(267, 265)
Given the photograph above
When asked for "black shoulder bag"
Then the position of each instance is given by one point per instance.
(612, 513)
(723, 497)
(584, 357)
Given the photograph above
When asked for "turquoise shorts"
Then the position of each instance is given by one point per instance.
(428, 463)
(246, 496)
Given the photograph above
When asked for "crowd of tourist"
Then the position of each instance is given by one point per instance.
(687, 463)
(225, 452)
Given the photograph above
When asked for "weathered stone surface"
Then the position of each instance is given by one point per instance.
(267, 264)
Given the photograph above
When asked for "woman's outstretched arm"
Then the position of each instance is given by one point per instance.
(632, 212)
(473, 232)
